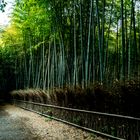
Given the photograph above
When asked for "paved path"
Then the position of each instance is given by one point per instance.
(12, 128)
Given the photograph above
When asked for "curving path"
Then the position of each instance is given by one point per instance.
(19, 124)
(12, 128)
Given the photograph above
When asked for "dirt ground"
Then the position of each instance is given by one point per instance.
(13, 128)
(19, 124)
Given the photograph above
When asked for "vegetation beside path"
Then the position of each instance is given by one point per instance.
(119, 99)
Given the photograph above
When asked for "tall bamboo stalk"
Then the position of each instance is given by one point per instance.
(99, 43)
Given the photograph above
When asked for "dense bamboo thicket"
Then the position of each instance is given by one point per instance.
(75, 43)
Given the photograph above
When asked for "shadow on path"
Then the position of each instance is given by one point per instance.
(12, 128)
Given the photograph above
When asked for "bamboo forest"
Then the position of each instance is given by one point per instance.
(74, 61)
(81, 54)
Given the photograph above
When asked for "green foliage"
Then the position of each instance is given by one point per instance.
(2, 5)
(54, 43)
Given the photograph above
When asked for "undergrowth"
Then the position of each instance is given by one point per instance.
(121, 98)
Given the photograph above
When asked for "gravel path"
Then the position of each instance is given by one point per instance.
(18, 124)
(13, 128)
